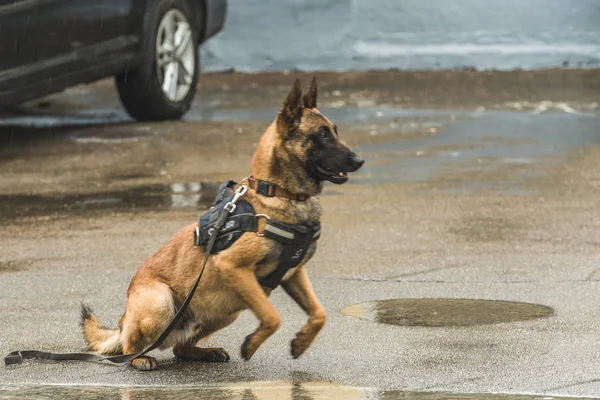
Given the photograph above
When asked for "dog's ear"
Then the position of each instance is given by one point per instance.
(291, 112)
(310, 98)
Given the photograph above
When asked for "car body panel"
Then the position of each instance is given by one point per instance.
(216, 11)
(16, 47)
(49, 45)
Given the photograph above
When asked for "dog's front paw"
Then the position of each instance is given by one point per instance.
(247, 349)
(298, 347)
(144, 363)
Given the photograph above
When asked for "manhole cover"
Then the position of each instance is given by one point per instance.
(447, 312)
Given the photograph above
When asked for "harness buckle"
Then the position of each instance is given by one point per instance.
(230, 207)
(263, 216)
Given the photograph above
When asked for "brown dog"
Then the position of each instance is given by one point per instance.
(297, 152)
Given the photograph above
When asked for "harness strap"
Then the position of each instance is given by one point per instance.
(290, 234)
(269, 189)
(235, 224)
(296, 239)
(17, 357)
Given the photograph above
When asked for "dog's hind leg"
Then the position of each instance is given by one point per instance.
(300, 289)
(149, 311)
(193, 353)
(243, 281)
(189, 351)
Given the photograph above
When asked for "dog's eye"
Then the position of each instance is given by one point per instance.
(325, 132)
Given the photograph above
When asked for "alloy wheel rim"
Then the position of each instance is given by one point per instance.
(175, 61)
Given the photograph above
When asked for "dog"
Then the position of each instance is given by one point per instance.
(298, 152)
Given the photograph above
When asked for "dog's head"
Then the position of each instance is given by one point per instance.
(311, 138)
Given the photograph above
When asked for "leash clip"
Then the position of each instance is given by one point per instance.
(230, 207)
(239, 193)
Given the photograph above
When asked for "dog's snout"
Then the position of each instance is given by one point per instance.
(356, 161)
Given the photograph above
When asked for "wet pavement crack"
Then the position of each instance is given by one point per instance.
(425, 271)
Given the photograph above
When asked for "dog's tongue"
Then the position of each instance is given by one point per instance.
(344, 174)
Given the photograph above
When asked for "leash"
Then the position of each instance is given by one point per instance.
(17, 357)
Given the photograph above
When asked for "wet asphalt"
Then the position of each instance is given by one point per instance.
(460, 261)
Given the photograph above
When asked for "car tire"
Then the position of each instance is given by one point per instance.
(163, 86)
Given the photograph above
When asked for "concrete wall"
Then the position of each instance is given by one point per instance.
(406, 34)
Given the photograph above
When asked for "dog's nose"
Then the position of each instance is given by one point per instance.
(356, 161)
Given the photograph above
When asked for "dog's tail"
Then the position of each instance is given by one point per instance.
(99, 339)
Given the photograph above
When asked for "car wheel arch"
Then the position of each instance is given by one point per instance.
(199, 9)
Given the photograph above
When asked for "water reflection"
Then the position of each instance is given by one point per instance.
(245, 391)
(251, 391)
(474, 149)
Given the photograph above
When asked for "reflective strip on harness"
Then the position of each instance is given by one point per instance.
(279, 232)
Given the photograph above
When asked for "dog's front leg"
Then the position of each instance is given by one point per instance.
(300, 289)
(243, 281)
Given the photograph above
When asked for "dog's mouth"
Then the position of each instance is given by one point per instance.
(332, 176)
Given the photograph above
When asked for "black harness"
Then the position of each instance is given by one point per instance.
(295, 239)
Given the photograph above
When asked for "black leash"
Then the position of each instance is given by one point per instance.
(17, 357)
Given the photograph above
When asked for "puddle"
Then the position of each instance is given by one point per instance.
(250, 391)
(245, 391)
(447, 312)
(193, 196)
(152, 197)
(487, 142)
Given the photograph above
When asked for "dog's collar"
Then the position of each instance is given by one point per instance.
(269, 189)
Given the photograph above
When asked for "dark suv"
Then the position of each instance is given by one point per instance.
(150, 46)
